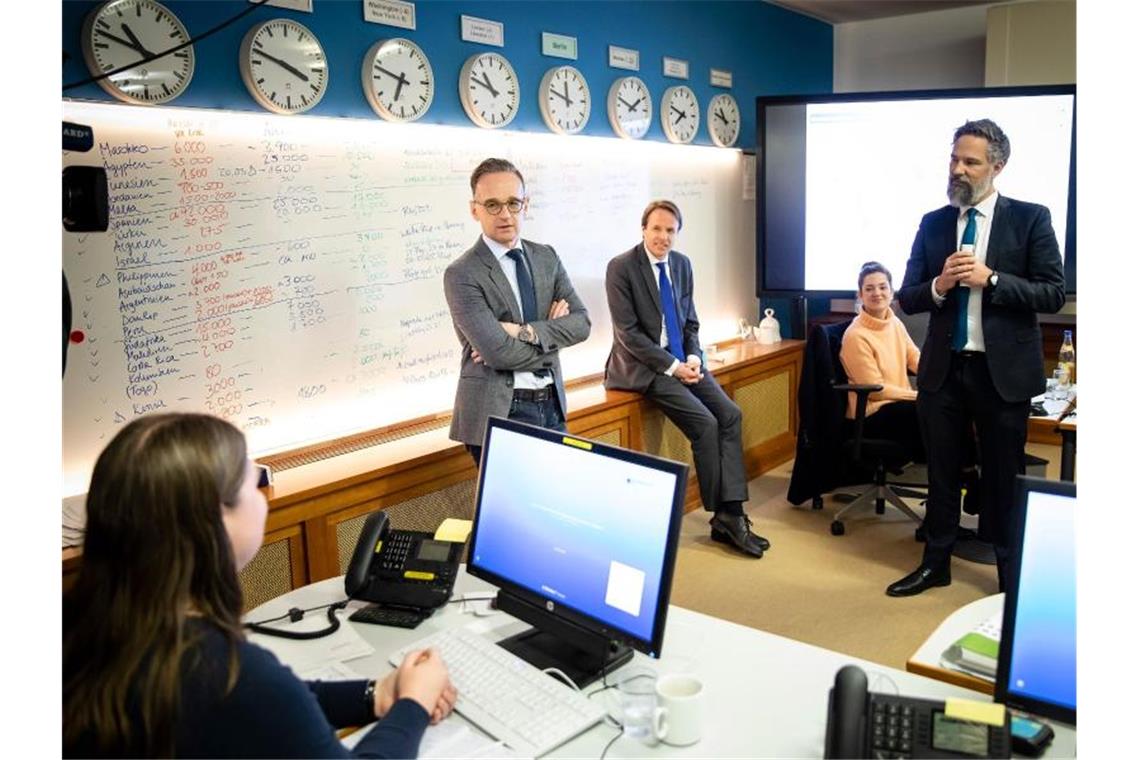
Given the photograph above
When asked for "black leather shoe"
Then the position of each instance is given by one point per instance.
(737, 531)
(918, 581)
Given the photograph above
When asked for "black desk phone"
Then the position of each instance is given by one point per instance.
(401, 568)
(861, 723)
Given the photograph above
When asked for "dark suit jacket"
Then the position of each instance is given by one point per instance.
(1023, 251)
(480, 297)
(635, 309)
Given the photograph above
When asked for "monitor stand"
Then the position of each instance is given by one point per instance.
(544, 650)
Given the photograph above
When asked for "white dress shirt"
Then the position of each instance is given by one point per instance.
(975, 340)
(522, 379)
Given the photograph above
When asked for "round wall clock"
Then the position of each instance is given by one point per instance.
(564, 100)
(283, 66)
(398, 80)
(630, 107)
(489, 90)
(120, 32)
(680, 115)
(724, 120)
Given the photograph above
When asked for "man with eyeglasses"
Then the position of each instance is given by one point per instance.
(513, 308)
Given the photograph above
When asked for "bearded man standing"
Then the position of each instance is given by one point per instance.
(982, 267)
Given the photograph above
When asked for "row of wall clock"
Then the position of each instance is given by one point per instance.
(285, 69)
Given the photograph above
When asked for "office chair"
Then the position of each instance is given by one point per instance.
(831, 450)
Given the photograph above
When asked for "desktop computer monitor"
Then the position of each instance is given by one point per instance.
(581, 538)
(1037, 658)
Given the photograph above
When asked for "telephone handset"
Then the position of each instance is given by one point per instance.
(862, 723)
(401, 568)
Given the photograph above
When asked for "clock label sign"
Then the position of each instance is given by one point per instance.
(395, 13)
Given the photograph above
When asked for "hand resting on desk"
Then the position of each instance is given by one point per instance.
(421, 677)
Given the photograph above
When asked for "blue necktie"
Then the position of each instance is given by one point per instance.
(669, 307)
(526, 286)
(962, 293)
(526, 294)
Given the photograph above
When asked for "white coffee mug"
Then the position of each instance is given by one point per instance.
(682, 697)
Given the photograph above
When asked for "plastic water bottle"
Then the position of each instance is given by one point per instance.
(1067, 357)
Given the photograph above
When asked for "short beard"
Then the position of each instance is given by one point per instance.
(960, 193)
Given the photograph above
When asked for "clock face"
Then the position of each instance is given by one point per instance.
(121, 32)
(398, 80)
(630, 107)
(489, 90)
(724, 120)
(564, 99)
(680, 115)
(283, 66)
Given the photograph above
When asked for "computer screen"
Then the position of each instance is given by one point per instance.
(823, 210)
(583, 535)
(1037, 662)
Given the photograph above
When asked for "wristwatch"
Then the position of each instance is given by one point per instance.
(527, 334)
(993, 279)
(370, 696)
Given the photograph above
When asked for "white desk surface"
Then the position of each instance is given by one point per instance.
(767, 695)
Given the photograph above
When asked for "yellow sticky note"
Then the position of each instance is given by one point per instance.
(990, 713)
(453, 529)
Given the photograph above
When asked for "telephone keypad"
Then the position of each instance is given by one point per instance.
(394, 554)
(892, 729)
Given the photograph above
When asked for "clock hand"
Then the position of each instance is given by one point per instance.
(566, 91)
(556, 92)
(680, 114)
(137, 45)
(720, 114)
(486, 84)
(283, 65)
(124, 43)
(633, 106)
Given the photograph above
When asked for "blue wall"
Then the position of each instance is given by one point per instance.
(767, 49)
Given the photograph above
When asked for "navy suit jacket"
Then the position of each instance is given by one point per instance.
(635, 309)
(1023, 251)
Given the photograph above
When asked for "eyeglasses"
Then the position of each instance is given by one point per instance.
(495, 206)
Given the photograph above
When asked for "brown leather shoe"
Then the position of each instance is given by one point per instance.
(736, 530)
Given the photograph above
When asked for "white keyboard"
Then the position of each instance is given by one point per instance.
(508, 697)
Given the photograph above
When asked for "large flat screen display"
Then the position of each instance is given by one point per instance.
(846, 178)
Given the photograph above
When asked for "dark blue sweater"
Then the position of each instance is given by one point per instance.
(272, 713)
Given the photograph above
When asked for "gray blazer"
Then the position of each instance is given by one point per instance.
(479, 297)
(635, 308)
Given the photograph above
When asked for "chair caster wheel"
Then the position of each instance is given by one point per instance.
(817, 502)
(837, 528)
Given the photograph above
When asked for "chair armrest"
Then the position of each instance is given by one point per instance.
(862, 389)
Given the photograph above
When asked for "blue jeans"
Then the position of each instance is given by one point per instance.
(545, 414)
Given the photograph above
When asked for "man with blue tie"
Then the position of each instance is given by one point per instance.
(513, 308)
(656, 352)
(982, 267)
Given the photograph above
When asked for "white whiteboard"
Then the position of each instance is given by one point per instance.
(286, 272)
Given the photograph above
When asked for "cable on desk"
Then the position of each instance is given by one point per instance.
(610, 744)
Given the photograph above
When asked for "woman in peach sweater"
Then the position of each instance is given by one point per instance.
(877, 350)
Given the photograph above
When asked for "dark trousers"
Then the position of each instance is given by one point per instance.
(969, 395)
(712, 423)
(547, 414)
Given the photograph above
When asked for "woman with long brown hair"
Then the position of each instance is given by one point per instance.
(154, 659)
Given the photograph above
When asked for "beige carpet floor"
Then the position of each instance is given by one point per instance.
(822, 589)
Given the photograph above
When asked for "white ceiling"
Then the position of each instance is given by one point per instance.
(842, 11)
